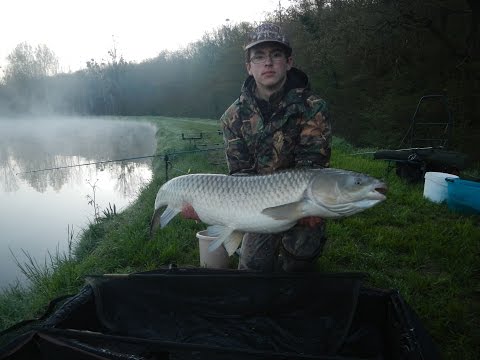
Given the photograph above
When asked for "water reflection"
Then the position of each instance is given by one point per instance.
(37, 206)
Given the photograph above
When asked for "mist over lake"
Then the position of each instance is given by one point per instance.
(43, 192)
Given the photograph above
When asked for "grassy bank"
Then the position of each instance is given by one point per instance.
(427, 252)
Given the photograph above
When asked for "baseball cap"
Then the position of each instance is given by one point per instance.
(267, 32)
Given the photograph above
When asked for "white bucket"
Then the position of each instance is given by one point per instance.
(436, 188)
(217, 259)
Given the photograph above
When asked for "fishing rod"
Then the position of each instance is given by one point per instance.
(86, 164)
(406, 149)
(165, 155)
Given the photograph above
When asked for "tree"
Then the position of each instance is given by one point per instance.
(46, 62)
(25, 63)
(26, 75)
(107, 95)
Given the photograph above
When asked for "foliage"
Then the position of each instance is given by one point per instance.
(371, 59)
(374, 59)
(26, 82)
(105, 84)
(26, 63)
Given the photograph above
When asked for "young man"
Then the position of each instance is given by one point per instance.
(275, 124)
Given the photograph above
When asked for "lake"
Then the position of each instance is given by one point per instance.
(39, 204)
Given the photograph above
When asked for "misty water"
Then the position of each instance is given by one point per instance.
(38, 207)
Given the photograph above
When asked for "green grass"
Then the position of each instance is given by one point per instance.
(428, 253)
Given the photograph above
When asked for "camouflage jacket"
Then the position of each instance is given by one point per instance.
(297, 132)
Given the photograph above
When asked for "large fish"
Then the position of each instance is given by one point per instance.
(233, 205)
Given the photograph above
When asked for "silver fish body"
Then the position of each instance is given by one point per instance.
(233, 205)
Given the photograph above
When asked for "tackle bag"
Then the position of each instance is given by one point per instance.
(194, 313)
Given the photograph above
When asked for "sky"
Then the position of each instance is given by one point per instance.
(77, 31)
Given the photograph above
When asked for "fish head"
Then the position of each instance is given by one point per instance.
(346, 192)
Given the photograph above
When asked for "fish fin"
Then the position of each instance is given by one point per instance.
(155, 222)
(168, 215)
(216, 230)
(221, 232)
(233, 242)
(285, 212)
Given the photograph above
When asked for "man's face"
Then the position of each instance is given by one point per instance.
(268, 65)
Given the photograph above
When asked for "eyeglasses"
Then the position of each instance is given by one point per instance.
(275, 56)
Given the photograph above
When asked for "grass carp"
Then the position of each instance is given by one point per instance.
(233, 205)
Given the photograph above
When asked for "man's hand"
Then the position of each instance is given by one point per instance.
(188, 212)
(310, 221)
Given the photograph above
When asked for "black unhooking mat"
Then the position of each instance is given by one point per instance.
(225, 314)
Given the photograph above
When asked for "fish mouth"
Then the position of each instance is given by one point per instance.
(381, 191)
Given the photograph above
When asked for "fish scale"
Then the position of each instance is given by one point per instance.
(225, 191)
(267, 203)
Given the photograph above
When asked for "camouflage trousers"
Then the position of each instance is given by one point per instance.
(293, 250)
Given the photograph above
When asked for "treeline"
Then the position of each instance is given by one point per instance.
(371, 59)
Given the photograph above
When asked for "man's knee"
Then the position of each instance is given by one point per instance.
(258, 252)
(306, 263)
(301, 248)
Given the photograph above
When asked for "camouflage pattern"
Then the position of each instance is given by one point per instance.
(266, 32)
(294, 250)
(298, 133)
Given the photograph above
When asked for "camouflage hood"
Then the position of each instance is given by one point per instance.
(296, 79)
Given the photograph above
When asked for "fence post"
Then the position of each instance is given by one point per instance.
(166, 166)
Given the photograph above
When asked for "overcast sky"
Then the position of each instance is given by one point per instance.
(79, 30)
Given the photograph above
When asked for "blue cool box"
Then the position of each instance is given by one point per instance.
(463, 195)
